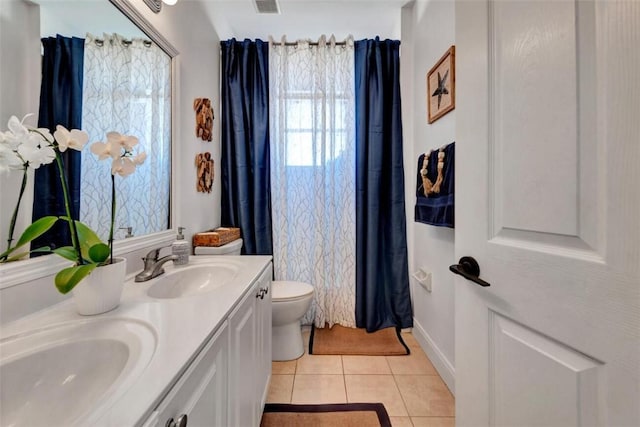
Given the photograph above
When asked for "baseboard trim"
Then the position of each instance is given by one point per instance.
(440, 362)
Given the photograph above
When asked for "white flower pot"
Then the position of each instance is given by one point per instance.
(101, 290)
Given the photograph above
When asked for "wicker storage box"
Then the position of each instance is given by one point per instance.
(217, 237)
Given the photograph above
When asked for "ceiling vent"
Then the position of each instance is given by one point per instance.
(267, 6)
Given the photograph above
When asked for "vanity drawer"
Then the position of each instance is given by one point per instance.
(201, 393)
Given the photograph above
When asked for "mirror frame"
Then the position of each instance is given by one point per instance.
(15, 273)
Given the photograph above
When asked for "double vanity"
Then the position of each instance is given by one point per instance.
(191, 347)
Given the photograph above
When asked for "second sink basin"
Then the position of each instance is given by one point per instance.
(192, 280)
(60, 374)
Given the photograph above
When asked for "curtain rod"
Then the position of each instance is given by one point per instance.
(309, 43)
(100, 42)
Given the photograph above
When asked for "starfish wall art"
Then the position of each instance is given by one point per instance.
(441, 86)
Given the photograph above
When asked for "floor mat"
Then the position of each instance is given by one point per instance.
(355, 341)
(333, 415)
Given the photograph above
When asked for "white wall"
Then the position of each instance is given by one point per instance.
(19, 95)
(72, 18)
(309, 19)
(188, 27)
(428, 30)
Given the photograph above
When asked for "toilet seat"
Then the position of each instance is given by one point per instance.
(290, 291)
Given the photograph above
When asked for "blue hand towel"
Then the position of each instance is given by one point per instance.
(436, 208)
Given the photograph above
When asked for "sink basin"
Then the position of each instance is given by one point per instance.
(66, 373)
(192, 280)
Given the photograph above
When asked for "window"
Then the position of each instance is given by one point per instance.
(313, 139)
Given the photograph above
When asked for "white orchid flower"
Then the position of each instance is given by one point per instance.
(8, 158)
(75, 139)
(9, 140)
(140, 158)
(16, 133)
(104, 150)
(123, 166)
(17, 127)
(35, 153)
(120, 148)
(127, 142)
(23, 146)
(43, 133)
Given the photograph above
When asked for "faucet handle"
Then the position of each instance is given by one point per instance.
(153, 254)
(129, 231)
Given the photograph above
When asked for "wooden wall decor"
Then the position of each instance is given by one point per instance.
(441, 86)
(204, 165)
(204, 118)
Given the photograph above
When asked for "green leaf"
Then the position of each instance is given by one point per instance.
(5, 254)
(20, 255)
(99, 252)
(66, 252)
(68, 278)
(35, 230)
(86, 236)
(17, 257)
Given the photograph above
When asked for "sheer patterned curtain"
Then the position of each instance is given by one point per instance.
(127, 89)
(311, 102)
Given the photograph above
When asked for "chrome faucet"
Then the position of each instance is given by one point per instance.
(153, 264)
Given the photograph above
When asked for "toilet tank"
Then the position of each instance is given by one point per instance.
(231, 248)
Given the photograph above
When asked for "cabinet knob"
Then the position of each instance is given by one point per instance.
(180, 422)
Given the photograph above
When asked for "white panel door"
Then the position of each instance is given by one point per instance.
(548, 203)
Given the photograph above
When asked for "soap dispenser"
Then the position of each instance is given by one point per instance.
(180, 247)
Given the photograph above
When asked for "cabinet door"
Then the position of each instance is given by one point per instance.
(201, 391)
(264, 310)
(242, 367)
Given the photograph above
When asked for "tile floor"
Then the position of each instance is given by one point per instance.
(409, 387)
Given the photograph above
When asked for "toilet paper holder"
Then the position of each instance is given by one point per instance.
(424, 278)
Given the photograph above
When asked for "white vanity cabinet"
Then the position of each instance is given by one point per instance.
(242, 369)
(199, 398)
(250, 354)
(263, 316)
(227, 383)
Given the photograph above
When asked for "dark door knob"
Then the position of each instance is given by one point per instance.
(468, 268)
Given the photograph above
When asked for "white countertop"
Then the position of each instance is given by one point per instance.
(182, 327)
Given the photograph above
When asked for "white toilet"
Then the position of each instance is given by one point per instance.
(231, 248)
(290, 301)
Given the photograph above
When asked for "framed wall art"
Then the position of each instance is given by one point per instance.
(441, 86)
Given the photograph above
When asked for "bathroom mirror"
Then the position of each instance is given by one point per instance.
(128, 89)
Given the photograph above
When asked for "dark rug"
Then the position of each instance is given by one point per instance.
(333, 415)
(356, 341)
